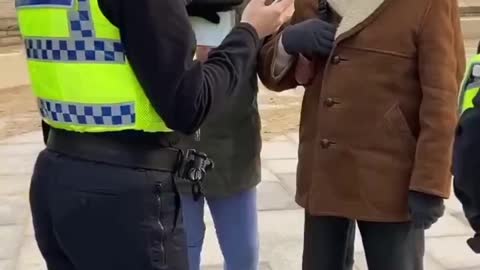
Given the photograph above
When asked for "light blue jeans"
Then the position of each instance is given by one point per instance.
(236, 225)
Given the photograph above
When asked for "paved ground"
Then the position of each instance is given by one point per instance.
(281, 221)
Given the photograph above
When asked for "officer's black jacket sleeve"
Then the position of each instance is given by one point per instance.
(466, 165)
(160, 44)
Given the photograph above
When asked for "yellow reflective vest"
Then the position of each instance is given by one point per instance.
(79, 71)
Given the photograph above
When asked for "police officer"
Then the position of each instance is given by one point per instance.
(116, 84)
(466, 164)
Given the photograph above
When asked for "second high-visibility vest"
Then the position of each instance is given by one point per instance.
(471, 85)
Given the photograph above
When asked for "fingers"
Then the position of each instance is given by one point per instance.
(288, 13)
(424, 222)
(418, 225)
(202, 53)
(284, 5)
(326, 25)
(328, 35)
(259, 2)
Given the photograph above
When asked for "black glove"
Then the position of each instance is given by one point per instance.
(205, 12)
(310, 37)
(425, 209)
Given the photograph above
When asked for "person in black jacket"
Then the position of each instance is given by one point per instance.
(231, 138)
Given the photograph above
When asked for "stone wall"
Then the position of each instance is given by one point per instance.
(9, 34)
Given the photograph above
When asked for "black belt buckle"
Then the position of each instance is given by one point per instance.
(195, 166)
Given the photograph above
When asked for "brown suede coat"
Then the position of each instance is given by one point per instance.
(378, 118)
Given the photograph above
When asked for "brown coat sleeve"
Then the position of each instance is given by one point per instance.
(304, 9)
(441, 60)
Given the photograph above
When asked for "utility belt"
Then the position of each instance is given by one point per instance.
(188, 166)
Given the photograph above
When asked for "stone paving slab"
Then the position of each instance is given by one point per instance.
(30, 149)
(281, 138)
(461, 217)
(13, 67)
(453, 205)
(30, 257)
(452, 252)
(294, 137)
(448, 225)
(279, 150)
(361, 263)
(6, 265)
(268, 176)
(10, 237)
(13, 210)
(281, 166)
(11, 185)
(16, 165)
(289, 181)
(273, 196)
(28, 138)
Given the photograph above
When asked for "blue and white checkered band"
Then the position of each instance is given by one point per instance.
(64, 50)
(81, 46)
(44, 3)
(107, 115)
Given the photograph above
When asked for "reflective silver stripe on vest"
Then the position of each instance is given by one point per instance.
(106, 115)
(82, 46)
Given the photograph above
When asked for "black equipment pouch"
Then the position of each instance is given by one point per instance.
(191, 171)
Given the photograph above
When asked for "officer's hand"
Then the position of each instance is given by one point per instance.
(202, 53)
(310, 37)
(266, 19)
(425, 209)
(203, 12)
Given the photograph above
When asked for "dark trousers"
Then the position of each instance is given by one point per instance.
(90, 216)
(328, 244)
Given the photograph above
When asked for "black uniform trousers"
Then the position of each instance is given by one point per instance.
(328, 244)
(96, 216)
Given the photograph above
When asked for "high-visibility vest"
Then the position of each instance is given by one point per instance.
(79, 71)
(470, 85)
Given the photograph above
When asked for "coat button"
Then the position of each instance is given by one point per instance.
(325, 143)
(336, 60)
(330, 102)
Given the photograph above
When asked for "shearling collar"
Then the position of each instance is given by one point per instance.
(353, 12)
(340, 6)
